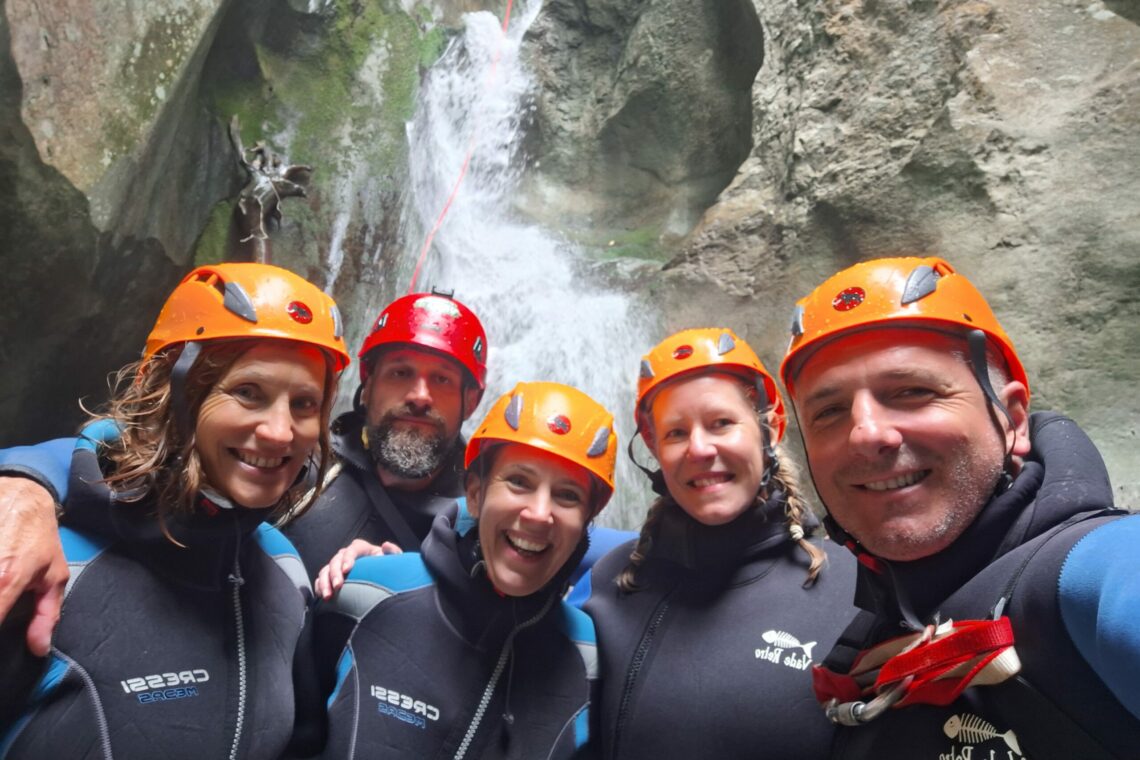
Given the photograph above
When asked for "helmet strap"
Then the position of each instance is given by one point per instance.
(656, 479)
(178, 374)
(976, 339)
(771, 461)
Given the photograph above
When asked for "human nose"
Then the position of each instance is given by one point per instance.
(540, 507)
(419, 393)
(700, 444)
(277, 423)
(872, 427)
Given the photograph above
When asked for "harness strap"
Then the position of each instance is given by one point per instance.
(933, 666)
(387, 510)
(930, 667)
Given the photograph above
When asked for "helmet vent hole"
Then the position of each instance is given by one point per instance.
(200, 330)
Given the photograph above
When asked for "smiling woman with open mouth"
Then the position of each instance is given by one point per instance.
(467, 649)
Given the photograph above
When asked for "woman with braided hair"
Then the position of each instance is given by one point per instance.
(709, 621)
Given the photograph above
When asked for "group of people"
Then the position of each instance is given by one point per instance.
(970, 596)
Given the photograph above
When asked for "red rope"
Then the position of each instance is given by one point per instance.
(463, 169)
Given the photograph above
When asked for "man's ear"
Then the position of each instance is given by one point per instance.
(1016, 400)
(471, 396)
(365, 394)
(474, 490)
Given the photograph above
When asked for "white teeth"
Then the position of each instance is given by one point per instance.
(710, 481)
(526, 546)
(899, 482)
(268, 464)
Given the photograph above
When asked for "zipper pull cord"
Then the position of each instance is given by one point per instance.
(485, 701)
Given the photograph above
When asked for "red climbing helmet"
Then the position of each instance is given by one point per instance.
(434, 321)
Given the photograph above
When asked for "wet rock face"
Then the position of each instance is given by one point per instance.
(101, 97)
(1001, 136)
(117, 173)
(643, 110)
(71, 295)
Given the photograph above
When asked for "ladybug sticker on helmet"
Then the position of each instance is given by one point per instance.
(849, 298)
(300, 312)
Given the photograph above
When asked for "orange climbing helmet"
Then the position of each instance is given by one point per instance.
(923, 292)
(435, 321)
(554, 418)
(715, 347)
(248, 300)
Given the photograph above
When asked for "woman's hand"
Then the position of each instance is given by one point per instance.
(331, 577)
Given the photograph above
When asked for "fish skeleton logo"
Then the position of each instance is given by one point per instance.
(785, 649)
(970, 729)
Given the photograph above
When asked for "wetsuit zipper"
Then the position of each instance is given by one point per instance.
(504, 654)
(239, 625)
(639, 656)
(100, 713)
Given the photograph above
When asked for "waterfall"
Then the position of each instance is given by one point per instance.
(546, 317)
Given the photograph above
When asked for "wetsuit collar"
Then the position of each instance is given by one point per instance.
(687, 542)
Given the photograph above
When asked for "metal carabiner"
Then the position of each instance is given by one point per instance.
(858, 713)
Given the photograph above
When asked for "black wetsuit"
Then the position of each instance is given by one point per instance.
(1022, 557)
(193, 651)
(711, 659)
(440, 664)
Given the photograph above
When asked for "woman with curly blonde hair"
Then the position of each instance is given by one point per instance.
(184, 631)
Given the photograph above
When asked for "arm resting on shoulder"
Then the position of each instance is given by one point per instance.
(47, 464)
(33, 480)
(1099, 593)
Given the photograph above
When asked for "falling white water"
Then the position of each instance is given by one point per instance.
(546, 318)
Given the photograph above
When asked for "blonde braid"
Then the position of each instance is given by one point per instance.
(627, 580)
(787, 478)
